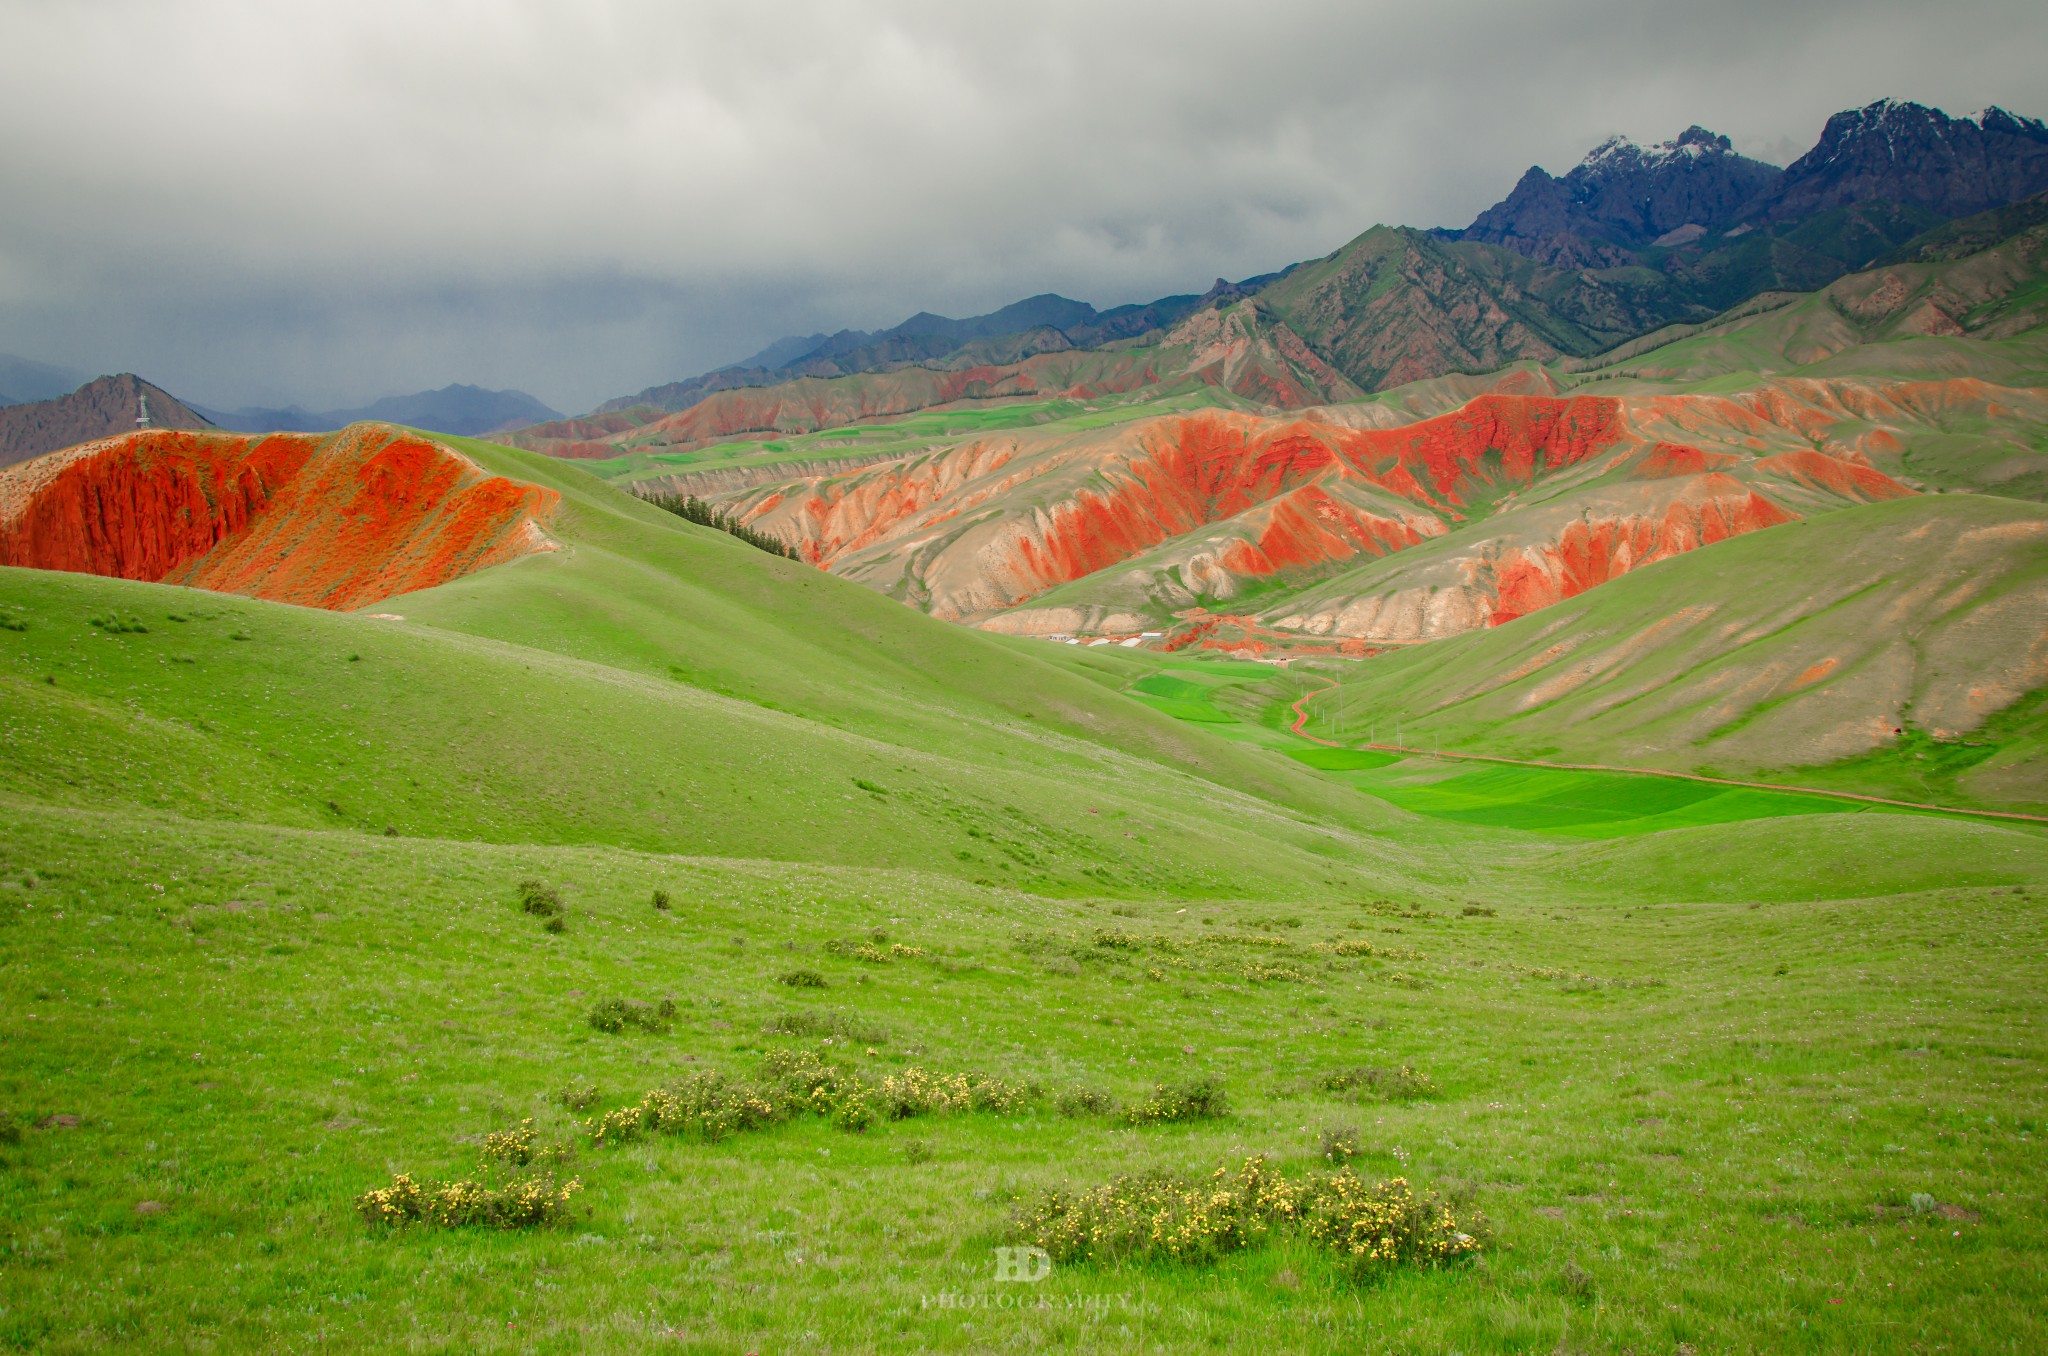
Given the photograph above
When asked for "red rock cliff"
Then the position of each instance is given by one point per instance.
(335, 521)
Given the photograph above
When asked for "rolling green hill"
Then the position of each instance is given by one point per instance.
(263, 946)
(1771, 651)
(657, 686)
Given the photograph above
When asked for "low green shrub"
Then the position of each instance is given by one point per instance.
(541, 900)
(578, 1096)
(1387, 908)
(1366, 1226)
(1196, 1099)
(515, 1187)
(1404, 1083)
(616, 1014)
(704, 1105)
(115, 623)
(1338, 1144)
(876, 950)
(526, 1201)
(711, 1105)
(801, 979)
(521, 1147)
(914, 1092)
(661, 901)
(1077, 1102)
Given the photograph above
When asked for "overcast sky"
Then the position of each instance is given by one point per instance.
(324, 203)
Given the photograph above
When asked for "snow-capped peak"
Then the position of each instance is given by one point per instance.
(1614, 148)
(1992, 116)
(1621, 154)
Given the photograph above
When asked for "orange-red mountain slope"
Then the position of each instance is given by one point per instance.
(336, 521)
(1505, 505)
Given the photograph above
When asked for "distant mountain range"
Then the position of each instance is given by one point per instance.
(1047, 323)
(457, 409)
(1629, 241)
(119, 404)
(1625, 203)
(23, 380)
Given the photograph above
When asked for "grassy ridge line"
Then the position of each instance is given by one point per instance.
(892, 437)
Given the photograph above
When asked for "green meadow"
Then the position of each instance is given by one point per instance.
(1695, 1070)
(1254, 703)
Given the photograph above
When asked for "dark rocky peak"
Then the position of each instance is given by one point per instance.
(1619, 155)
(1898, 151)
(1624, 196)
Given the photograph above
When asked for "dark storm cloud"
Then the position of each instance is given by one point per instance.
(328, 202)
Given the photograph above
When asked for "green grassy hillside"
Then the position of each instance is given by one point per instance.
(658, 686)
(1769, 652)
(1750, 1085)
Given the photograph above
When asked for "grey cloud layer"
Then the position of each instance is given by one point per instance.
(326, 202)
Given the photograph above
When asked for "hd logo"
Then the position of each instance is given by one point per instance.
(1023, 1264)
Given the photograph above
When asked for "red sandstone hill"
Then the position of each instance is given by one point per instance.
(99, 409)
(337, 521)
(1319, 530)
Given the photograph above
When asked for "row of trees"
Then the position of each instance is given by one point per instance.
(690, 508)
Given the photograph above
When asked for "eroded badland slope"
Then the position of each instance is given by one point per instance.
(335, 521)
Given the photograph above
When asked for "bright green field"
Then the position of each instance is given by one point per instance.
(1535, 799)
(259, 938)
(1588, 804)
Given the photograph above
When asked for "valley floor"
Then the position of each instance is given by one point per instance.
(1704, 1103)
